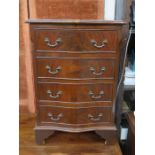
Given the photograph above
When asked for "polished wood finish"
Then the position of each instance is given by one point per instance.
(76, 21)
(75, 68)
(75, 39)
(94, 115)
(77, 92)
(75, 98)
(68, 116)
(62, 143)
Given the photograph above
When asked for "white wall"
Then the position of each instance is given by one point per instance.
(109, 13)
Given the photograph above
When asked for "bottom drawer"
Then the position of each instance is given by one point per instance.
(94, 115)
(48, 115)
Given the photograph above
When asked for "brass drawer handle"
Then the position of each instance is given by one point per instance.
(94, 43)
(57, 70)
(57, 118)
(48, 43)
(54, 96)
(91, 94)
(98, 118)
(92, 69)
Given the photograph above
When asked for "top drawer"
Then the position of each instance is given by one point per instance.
(76, 40)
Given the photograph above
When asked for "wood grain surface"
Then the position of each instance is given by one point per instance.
(72, 38)
(75, 92)
(75, 68)
(26, 79)
(67, 9)
(68, 116)
(22, 49)
(75, 39)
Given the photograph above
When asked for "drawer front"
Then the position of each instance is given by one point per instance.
(74, 92)
(78, 116)
(47, 115)
(76, 40)
(75, 68)
(94, 115)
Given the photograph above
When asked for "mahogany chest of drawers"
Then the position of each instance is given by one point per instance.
(76, 66)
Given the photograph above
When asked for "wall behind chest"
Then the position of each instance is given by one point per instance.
(66, 9)
(22, 77)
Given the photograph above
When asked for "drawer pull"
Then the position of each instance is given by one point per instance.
(92, 118)
(54, 96)
(57, 118)
(92, 69)
(91, 94)
(48, 43)
(94, 43)
(57, 70)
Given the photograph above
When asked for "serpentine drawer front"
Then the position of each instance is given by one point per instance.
(74, 116)
(75, 92)
(48, 115)
(76, 68)
(75, 40)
